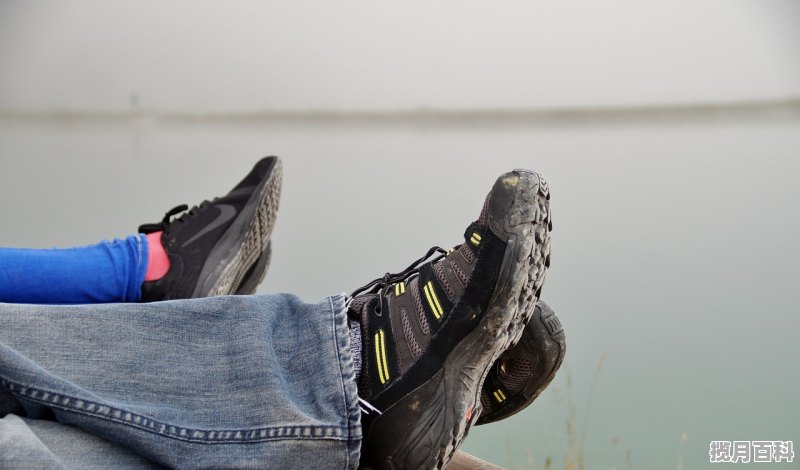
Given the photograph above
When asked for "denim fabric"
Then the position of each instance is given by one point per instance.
(262, 381)
(110, 271)
(35, 444)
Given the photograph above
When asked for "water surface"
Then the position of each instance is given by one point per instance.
(675, 248)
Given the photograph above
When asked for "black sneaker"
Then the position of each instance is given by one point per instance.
(213, 246)
(431, 333)
(524, 371)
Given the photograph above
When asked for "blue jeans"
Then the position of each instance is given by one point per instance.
(110, 271)
(39, 444)
(263, 381)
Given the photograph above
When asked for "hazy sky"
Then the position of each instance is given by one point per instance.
(204, 55)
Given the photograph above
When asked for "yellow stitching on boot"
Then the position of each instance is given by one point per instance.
(378, 356)
(475, 238)
(433, 301)
(383, 355)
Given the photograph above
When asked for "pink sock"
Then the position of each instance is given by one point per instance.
(157, 259)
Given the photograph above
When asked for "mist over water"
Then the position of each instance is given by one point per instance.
(674, 248)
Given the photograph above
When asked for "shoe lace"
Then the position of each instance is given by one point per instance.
(377, 285)
(165, 222)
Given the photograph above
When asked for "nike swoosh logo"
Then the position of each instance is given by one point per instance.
(226, 213)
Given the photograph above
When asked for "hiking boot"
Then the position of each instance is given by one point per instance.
(212, 246)
(522, 372)
(430, 333)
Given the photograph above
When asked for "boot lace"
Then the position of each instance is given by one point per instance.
(377, 285)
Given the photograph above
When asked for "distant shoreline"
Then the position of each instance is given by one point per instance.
(767, 108)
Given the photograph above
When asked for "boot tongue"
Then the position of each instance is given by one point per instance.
(357, 306)
(357, 309)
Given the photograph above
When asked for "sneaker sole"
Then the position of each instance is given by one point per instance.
(436, 417)
(256, 274)
(244, 242)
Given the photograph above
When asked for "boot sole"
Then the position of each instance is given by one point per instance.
(435, 418)
(244, 242)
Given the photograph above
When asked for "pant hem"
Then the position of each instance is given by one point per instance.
(349, 387)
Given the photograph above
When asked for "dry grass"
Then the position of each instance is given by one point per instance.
(575, 437)
(575, 457)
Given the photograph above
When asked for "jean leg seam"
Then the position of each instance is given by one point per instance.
(341, 374)
(136, 421)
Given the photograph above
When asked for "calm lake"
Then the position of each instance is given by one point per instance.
(675, 248)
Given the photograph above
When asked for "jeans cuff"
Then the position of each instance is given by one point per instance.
(350, 389)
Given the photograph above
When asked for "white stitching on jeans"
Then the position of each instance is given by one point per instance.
(179, 433)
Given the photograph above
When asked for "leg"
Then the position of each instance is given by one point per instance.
(216, 248)
(107, 272)
(425, 358)
(35, 443)
(228, 381)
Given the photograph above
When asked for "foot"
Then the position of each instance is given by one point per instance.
(213, 246)
(522, 372)
(431, 333)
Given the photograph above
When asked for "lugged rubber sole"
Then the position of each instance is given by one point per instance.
(425, 428)
(244, 242)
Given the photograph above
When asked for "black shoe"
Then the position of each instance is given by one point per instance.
(213, 246)
(431, 333)
(524, 371)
